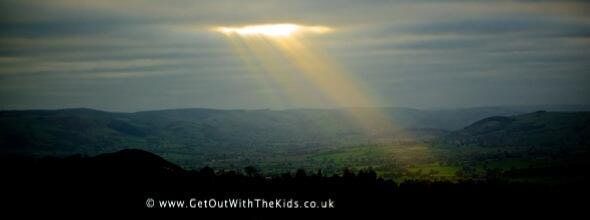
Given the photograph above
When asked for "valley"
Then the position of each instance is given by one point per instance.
(427, 144)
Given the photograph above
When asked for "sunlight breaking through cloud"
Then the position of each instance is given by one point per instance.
(273, 30)
(279, 51)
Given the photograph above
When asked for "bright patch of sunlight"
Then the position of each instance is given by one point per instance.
(278, 50)
(272, 30)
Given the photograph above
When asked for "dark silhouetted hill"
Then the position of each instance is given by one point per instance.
(124, 180)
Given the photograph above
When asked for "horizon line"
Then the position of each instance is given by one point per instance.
(299, 108)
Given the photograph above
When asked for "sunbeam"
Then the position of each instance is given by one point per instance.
(302, 73)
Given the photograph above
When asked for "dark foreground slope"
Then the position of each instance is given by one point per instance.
(127, 180)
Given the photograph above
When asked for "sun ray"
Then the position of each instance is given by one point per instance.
(257, 70)
(280, 50)
(335, 83)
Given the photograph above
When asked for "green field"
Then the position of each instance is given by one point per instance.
(399, 162)
(534, 146)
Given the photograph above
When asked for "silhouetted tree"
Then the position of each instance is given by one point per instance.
(207, 171)
(251, 171)
(300, 174)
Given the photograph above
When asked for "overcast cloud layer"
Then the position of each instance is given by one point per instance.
(141, 55)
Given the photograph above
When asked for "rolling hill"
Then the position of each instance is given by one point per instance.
(538, 129)
(198, 137)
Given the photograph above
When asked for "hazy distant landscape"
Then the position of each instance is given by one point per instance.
(447, 144)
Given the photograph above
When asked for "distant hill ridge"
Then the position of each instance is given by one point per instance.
(538, 129)
(196, 131)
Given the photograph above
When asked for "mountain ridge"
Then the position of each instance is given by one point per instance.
(537, 129)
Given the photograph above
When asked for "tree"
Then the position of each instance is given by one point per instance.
(251, 171)
(207, 171)
(300, 174)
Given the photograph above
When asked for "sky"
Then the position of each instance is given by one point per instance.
(146, 55)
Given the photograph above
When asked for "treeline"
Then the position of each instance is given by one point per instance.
(126, 178)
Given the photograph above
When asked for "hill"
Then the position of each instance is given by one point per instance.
(136, 180)
(199, 137)
(538, 129)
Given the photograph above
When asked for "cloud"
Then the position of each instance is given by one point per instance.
(413, 53)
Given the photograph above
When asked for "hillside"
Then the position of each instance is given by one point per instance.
(124, 180)
(87, 131)
(226, 138)
(538, 129)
